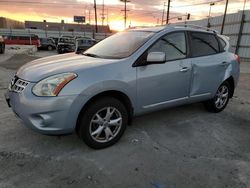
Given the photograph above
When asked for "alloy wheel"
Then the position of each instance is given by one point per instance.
(105, 124)
(221, 96)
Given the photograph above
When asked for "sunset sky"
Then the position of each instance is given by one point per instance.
(141, 12)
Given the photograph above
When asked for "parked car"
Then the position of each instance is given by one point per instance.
(23, 40)
(2, 45)
(55, 40)
(47, 44)
(66, 44)
(84, 43)
(130, 73)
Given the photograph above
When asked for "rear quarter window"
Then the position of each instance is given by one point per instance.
(222, 42)
(204, 44)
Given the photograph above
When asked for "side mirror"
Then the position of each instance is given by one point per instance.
(156, 57)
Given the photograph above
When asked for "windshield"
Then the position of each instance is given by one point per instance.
(66, 40)
(120, 45)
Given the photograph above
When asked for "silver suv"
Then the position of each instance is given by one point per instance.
(96, 93)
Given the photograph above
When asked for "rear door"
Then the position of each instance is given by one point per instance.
(209, 64)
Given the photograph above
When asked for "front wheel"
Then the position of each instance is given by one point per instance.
(2, 49)
(220, 100)
(103, 123)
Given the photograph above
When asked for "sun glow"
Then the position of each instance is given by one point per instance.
(117, 25)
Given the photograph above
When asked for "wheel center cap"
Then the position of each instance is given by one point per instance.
(105, 124)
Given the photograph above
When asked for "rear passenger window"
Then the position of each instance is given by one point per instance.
(34, 37)
(203, 44)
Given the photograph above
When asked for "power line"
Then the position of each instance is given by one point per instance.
(197, 4)
(116, 7)
(89, 4)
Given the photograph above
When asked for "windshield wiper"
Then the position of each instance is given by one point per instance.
(90, 55)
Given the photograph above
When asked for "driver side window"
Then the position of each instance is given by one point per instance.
(173, 45)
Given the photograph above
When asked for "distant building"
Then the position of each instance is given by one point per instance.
(53, 26)
(7, 23)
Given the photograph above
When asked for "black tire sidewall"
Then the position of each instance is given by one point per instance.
(89, 113)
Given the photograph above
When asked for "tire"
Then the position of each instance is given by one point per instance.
(220, 100)
(59, 51)
(49, 48)
(2, 49)
(100, 130)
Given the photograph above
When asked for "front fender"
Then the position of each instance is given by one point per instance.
(95, 89)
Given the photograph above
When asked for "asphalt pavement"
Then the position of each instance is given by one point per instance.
(179, 147)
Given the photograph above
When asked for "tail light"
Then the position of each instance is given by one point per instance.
(237, 58)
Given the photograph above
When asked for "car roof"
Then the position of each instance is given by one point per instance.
(148, 29)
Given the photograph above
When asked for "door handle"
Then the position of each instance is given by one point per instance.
(184, 69)
(224, 63)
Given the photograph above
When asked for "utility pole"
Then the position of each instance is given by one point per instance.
(241, 29)
(96, 28)
(168, 11)
(89, 16)
(103, 17)
(224, 18)
(209, 15)
(125, 12)
(107, 16)
(163, 13)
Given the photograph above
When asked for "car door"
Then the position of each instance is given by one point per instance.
(161, 85)
(209, 64)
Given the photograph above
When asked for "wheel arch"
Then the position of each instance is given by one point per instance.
(111, 93)
(230, 80)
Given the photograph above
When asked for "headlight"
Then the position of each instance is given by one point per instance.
(52, 85)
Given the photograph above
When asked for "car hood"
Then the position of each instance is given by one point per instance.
(39, 69)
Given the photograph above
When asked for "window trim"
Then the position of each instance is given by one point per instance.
(221, 50)
(141, 61)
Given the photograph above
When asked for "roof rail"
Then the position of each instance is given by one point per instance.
(195, 27)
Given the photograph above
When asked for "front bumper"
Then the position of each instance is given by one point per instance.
(46, 115)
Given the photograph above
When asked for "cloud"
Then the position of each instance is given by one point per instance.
(141, 11)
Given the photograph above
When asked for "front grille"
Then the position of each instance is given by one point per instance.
(18, 85)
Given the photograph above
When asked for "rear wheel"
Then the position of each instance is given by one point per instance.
(59, 51)
(103, 123)
(220, 100)
(50, 48)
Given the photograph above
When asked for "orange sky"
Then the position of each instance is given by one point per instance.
(141, 12)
